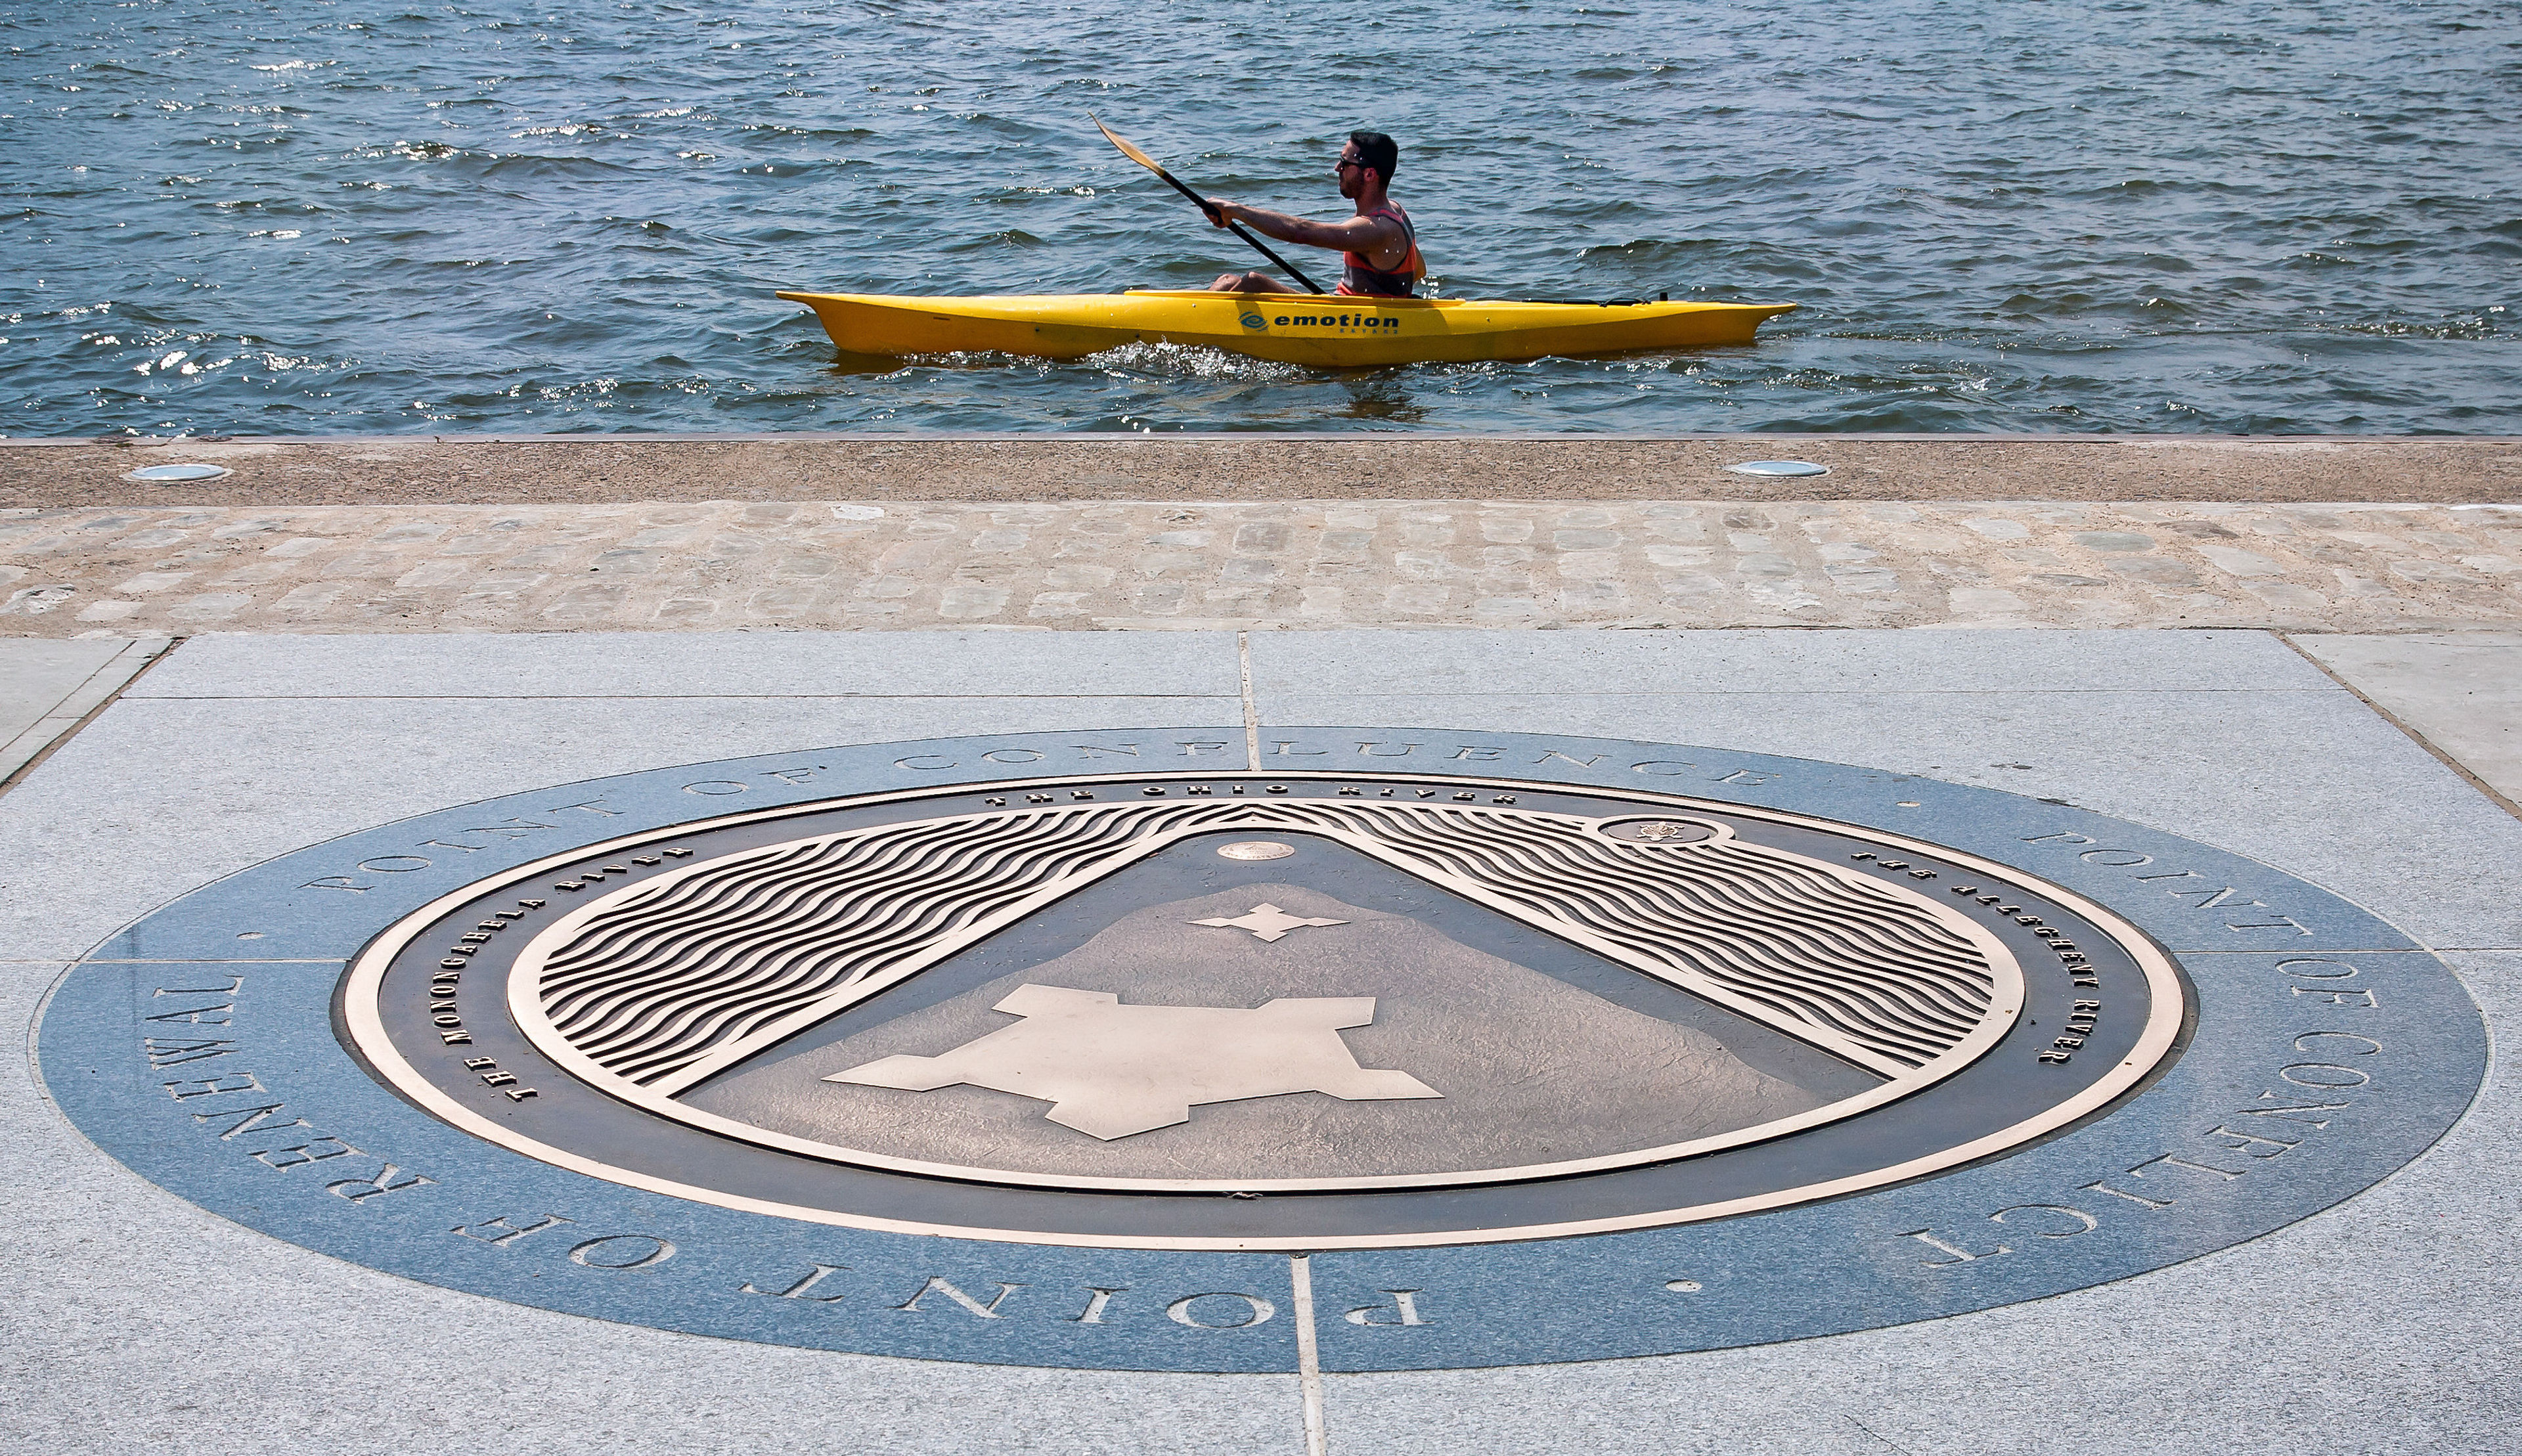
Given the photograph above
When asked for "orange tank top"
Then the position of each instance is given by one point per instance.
(1361, 278)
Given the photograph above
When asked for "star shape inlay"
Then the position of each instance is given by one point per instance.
(1268, 922)
(1112, 1070)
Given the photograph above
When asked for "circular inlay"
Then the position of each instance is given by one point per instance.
(1664, 831)
(1465, 1011)
(979, 1049)
(1255, 849)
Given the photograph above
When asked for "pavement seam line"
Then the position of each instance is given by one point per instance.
(1251, 713)
(2395, 721)
(1136, 441)
(932, 698)
(197, 960)
(1309, 1359)
(671, 697)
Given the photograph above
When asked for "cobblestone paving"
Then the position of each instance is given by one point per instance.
(1121, 564)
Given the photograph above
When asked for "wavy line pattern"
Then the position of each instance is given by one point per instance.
(654, 984)
(690, 969)
(1807, 944)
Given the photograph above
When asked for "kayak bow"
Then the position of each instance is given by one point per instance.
(1327, 330)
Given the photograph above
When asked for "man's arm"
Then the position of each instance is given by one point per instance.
(1369, 236)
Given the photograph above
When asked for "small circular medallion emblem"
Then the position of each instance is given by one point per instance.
(1255, 849)
(1663, 830)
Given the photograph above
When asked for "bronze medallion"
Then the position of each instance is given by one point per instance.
(1243, 1010)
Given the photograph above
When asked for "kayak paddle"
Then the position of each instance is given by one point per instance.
(1152, 165)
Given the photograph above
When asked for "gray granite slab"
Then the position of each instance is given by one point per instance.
(2378, 1326)
(314, 1354)
(2461, 692)
(161, 795)
(170, 793)
(1342, 663)
(2350, 802)
(2407, 1282)
(35, 675)
(46, 687)
(1072, 665)
(329, 898)
(1986, 821)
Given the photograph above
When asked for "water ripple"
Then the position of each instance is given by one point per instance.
(500, 215)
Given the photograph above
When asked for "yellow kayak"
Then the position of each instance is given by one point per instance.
(1321, 329)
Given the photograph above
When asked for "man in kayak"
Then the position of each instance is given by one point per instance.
(1380, 248)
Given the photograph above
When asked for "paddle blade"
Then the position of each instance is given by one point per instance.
(1128, 150)
(1149, 163)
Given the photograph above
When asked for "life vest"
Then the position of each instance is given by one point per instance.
(1362, 278)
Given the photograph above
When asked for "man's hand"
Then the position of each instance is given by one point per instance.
(1221, 211)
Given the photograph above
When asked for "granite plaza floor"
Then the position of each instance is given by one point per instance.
(192, 690)
(237, 747)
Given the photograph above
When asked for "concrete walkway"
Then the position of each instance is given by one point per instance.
(2459, 694)
(245, 746)
(362, 630)
(429, 470)
(1499, 562)
(47, 689)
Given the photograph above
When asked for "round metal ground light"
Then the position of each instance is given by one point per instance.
(170, 474)
(1778, 468)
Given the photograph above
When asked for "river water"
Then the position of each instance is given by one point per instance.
(311, 216)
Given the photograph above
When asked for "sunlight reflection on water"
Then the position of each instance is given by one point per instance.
(369, 217)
